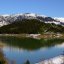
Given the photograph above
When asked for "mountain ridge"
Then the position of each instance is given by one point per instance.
(30, 23)
(7, 19)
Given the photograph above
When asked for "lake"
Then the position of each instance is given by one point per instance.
(18, 50)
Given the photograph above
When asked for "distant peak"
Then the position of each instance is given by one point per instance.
(30, 14)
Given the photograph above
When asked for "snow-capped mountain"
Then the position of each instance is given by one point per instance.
(7, 19)
(60, 19)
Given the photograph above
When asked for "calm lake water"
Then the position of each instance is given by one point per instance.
(20, 50)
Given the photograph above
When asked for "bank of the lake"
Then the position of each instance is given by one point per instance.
(36, 36)
(55, 60)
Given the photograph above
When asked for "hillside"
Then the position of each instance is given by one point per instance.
(31, 26)
(8, 19)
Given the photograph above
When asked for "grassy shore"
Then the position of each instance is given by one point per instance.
(36, 36)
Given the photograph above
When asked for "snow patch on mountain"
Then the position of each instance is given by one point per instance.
(5, 15)
(7, 19)
(61, 19)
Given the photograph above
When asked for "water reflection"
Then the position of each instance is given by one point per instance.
(29, 50)
(30, 43)
(60, 45)
(20, 56)
(25, 43)
(27, 62)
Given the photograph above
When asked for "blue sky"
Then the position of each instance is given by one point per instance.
(53, 8)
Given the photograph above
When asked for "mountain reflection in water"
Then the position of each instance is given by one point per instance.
(30, 43)
(29, 50)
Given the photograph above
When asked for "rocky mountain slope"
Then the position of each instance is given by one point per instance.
(30, 23)
(7, 19)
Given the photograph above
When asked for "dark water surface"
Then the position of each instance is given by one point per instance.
(20, 50)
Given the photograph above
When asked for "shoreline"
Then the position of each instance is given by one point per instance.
(35, 36)
(56, 60)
